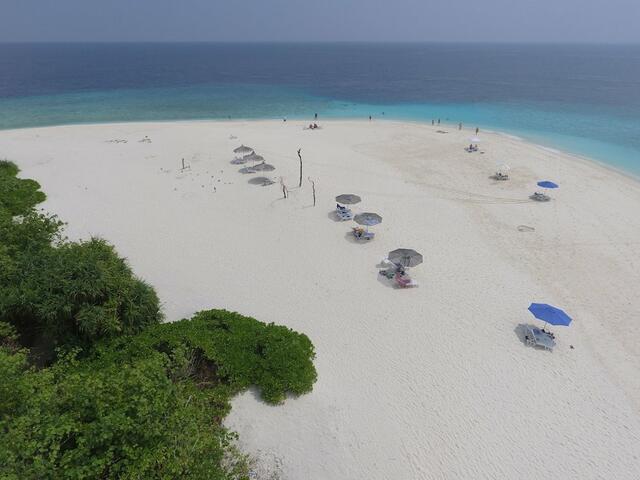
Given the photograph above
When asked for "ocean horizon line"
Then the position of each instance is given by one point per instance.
(399, 42)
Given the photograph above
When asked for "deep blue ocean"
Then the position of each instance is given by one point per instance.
(580, 98)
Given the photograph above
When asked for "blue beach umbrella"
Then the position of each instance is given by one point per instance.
(549, 314)
(547, 184)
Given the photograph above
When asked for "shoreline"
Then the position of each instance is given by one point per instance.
(552, 149)
(576, 157)
(430, 381)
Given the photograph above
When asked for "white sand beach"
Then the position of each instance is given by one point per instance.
(433, 382)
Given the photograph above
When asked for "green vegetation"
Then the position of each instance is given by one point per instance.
(94, 386)
(18, 196)
(57, 292)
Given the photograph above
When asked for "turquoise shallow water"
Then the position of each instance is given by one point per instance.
(572, 131)
(582, 99)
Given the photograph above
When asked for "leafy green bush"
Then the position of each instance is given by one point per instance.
(79, 420)
(74, 293)
(148, 405)
(239, 350)
(17, 196)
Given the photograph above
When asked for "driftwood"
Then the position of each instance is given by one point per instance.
(313, 189)
(300, 157)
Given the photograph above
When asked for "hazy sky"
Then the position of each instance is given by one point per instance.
(321, 20)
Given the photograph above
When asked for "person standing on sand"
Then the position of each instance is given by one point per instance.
(460, 126)
(438, 121)
(477, 130)
(369, 117)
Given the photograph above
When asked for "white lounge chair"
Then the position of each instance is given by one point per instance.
(361, 234)
(404, 281)
(540, 197)
(537, 338)
(344, 216)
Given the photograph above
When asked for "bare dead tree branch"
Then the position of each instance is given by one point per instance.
(300, 157)
(284, 188)
(313, 188)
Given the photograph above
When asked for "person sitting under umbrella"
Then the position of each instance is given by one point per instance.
(367, 219)
(547, 332)
(549, 315)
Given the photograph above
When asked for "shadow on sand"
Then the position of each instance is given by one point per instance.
(520, 330)
(332, 215)
(350, 237)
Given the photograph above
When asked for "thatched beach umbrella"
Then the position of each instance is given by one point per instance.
(262, 181)
(263, 167)
(243, 150)
(405, 257)
(348, 199)
(253, 157)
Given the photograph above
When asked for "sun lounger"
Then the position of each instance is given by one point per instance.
(388, 272)
(537, 338)
(404, 281)
(362, 234)
(344, 215)
(540, 197)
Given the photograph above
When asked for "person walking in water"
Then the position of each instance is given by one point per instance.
(438, 121)
(315, 116)
(432, 122)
